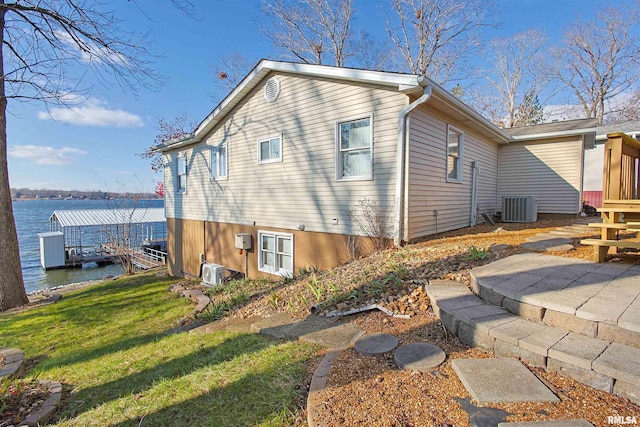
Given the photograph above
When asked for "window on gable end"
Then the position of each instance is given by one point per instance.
(181, 174)
(218, 161)
(455, 148)
(270, 149)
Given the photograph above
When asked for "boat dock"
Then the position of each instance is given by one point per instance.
(101, 236)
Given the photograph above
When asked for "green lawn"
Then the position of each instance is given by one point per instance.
(110, 346)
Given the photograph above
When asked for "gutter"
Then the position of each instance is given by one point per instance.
(556, 134)
(175, 143)
(401, 163)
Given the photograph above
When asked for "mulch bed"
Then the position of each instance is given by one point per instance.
(371, 390)
(19, 399)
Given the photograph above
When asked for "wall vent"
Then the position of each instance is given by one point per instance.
(519, 209)
(271, 89)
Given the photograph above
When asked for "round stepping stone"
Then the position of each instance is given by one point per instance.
(418, 356)
(376, 344)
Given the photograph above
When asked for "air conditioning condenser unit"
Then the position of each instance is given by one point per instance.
(519, 209)
(213, 274)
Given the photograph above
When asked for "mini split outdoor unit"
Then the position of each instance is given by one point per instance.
(519, 209)
(212, 274)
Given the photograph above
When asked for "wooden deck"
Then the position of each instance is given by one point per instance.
(621, 205)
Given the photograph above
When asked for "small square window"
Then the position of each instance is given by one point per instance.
(218, 162)
(276, 253)
(181, 174)
(354, 158)
(455, 147)
(270, 150)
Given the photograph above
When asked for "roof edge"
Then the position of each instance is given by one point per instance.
(403, 83)
(554, 134)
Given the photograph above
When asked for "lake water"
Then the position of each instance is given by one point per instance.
(32, 217)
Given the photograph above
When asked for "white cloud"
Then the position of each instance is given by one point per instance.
(45, 155)
(94, 112)
(90, 52)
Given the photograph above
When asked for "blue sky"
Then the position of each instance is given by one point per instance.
(95, 147)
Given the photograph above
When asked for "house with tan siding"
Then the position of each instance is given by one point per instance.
(546, 161)
(294, 147)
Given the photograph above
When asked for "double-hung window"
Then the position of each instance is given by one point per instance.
(218, 162)
(270, 149)
(276, 253)
(354, 149)
(455, 146)
(181, 174)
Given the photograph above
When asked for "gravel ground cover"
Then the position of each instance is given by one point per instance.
(371, 390)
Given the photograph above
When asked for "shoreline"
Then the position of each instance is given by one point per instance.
(61, 289)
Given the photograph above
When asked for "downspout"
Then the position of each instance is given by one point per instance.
(401, 165)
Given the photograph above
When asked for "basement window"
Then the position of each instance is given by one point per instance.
(276, 253)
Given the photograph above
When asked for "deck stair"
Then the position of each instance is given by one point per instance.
(574, 230)
(566, 315)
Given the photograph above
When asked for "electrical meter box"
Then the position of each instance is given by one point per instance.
(243, 241)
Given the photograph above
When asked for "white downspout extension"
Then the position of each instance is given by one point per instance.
(401, 165)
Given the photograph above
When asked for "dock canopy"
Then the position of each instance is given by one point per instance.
(97, 217)
(101, 234)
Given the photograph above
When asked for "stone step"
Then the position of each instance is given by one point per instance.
(596, 300)
(612, 367)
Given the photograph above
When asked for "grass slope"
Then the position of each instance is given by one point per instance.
(110, 346)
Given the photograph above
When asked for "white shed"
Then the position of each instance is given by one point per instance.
(52, 250)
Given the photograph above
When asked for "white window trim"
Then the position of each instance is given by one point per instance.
(278, 160)
(338, 156)
(213, 157)
(178, 189)
(458, 179)
(278, 272)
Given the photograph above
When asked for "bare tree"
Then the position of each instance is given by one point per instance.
(518, 76)
(433, 37)
(47, 47)
(600, 58)
(227, 72)
(626, 109)
(372, 54)
(179, 127)
(231, 69)
(311, 31)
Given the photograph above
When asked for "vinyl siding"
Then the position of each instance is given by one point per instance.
(428, 188)
(550, 170)
(302, 189)
(593, 168)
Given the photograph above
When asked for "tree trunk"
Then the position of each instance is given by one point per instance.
(12, 292)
